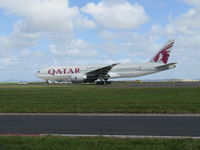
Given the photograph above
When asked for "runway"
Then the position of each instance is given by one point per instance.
(156, 84)
(100, 124)
(115, 84)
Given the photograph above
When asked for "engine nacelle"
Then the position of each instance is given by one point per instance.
(77, 78)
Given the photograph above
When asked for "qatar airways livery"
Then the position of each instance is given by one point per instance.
(101, 73)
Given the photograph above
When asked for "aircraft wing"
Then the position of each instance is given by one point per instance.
(167, 66)
(101, 72)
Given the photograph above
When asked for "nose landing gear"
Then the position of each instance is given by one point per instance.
(47, 82)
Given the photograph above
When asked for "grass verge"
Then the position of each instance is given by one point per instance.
(95, 143)
(88, 99)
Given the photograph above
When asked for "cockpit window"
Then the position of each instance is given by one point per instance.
(38, 71)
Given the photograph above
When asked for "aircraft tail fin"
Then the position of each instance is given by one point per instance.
(164, 53)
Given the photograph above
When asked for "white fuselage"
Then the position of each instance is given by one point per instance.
(118, 71)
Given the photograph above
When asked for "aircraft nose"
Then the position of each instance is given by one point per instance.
(37, 73)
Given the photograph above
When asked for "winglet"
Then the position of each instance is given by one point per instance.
(164, 53)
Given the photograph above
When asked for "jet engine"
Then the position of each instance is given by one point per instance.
(77, 78)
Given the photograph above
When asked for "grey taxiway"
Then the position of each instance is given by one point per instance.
(101, 124)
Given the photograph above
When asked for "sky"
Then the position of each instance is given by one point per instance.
(36, 34)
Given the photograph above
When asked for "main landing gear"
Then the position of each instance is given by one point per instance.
(103, 82)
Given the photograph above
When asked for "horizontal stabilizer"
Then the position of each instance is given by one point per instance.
(167, 66)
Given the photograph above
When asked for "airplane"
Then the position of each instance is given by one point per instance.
(102, 73)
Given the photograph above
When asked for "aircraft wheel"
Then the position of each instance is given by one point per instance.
(47, 82)
(108, 82)
(98, 83)
(102, 82)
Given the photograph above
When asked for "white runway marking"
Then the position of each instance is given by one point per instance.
(99, 114)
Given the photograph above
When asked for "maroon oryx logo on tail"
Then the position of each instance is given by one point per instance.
(163, 54)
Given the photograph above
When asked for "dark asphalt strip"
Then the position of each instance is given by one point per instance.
(101, 125)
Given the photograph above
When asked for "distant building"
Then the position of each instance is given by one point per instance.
(184, 80)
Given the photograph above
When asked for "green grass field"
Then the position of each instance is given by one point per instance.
(95, 143)
(91, 98)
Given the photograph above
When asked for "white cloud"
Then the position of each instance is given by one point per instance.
(73, 48)
(17, 41)
(187, 24)
(53, 20)
(83, 21)
(156, 30)
(8, 61)
(114, 14)
(46, 15)
(108, 35)
(28, 53)
(39, 19)
(186, 29)
(135, 47)
(195, 3)
(126, 60)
